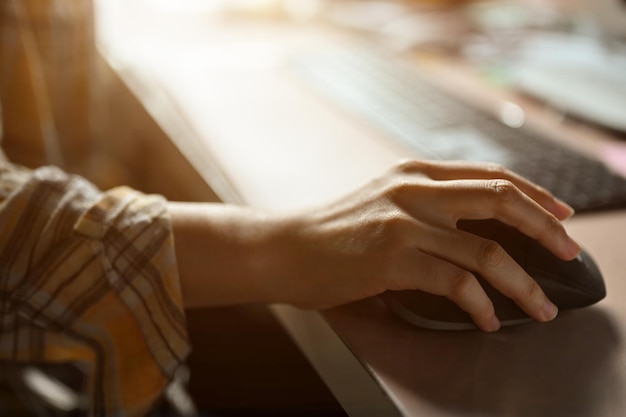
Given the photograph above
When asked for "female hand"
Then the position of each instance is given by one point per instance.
(397, 232)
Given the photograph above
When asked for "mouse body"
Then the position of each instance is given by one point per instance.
(568, 284)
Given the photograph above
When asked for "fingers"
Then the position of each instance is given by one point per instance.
(439, 277)
(483, 190)
(502, 200)
(457, 170)
(462, 190)
(493, 263)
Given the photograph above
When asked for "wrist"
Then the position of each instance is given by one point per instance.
(230, 254)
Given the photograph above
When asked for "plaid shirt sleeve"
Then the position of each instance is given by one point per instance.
(90, 277)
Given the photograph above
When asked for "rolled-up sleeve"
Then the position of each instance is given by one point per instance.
(91, 277)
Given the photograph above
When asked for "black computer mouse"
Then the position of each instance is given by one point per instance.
(568, 284)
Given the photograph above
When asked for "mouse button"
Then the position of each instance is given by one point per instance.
(564, 295)
(540, 260)
(591, 269)
(580, 274)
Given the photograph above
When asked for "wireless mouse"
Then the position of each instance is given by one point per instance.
(568, 284)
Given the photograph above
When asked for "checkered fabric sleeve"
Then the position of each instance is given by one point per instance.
(90, 277)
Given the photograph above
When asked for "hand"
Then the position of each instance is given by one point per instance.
(399, 232)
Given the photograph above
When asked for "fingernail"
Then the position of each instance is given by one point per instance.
(565, 210)
(494, 325)
(573, 248)
(549, 311)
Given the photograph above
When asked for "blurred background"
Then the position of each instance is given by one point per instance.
(63, 104)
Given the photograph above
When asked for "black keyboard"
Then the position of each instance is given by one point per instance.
(391, 95)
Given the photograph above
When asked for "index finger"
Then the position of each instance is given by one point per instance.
(456, 170)
(502, 200)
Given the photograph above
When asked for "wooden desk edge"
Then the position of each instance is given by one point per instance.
(355, 388)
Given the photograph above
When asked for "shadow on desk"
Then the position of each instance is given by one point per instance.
(569, 367)
(244, 364)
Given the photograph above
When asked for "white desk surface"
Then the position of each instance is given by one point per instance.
(262, 139)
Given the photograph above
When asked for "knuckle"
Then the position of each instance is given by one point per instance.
(553, 226)
(503, 190)
(530, 291)
(462, 285)
(397, 189)
(550, 229)
(395, 225)
(407, 166)
(489, 255)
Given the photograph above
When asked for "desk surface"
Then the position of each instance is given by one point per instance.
(293, 151)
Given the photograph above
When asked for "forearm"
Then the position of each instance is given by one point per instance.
(226, 254)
